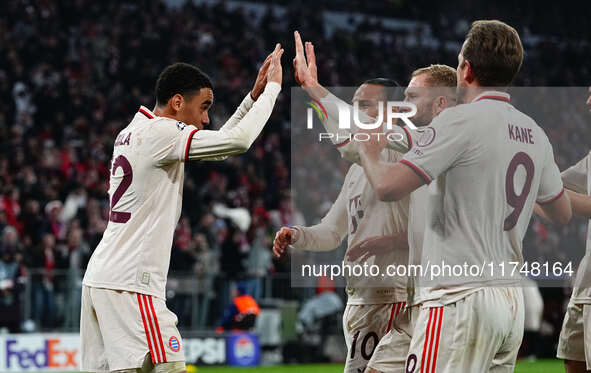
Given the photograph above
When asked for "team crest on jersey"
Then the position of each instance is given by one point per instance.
(180, 125)
(427, 136)
(174, 344)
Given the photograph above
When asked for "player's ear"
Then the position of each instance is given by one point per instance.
(176, 102)
(439, 104)
(468, 72)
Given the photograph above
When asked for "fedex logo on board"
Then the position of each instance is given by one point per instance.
(50, 354)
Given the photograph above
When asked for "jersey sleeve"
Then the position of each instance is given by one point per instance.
(551, 187)
(330, 232)
(240, 112)
(575, 177)
(438, 146)
(168, 140)
(238, 134)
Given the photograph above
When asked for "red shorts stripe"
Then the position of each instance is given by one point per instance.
(158, 359)
(139, 300)
(394, 307)
(426, 340)
(432, 337)
(158, 329)
(437, 340)
(402, 306)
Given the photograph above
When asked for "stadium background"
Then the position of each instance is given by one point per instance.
(73, 73)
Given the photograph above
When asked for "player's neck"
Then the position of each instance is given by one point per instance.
(473, 91)
(164, 112)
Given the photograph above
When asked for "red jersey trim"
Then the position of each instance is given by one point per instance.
(417, 170)
(189, 143)
(343, 143)
(498, 98)
(150, 116)
(553, 198)
(408, 136)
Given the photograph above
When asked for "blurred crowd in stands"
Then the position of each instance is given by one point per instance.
(74, 72)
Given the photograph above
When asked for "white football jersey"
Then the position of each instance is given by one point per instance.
(358, 215)
(146, 191)
(486, 164)
(417, 210)
(578, 179)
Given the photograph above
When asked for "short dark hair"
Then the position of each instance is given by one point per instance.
(393, 90)
(180, 78)
(495, 52)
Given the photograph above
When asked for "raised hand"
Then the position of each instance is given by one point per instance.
(283, 238)
(375, 143)
(305, 70)
(261, 81)
(275, 72)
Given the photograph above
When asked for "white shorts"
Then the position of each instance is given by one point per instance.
(392, 350)
(479, 333)
(575, 336)
(534, 305)
(119, 328)
(364, 326)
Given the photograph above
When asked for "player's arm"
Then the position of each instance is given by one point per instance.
(390, 181)
(552, 202)
(235, 138)
(558, 211)
(574, 179)
(324, 236)
(306, 74)
(446, 144)
(580, 204)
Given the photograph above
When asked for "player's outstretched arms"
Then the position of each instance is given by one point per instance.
(390, 181)
(306, 75)
(559, 211)
(324, 236)
(239, 133)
